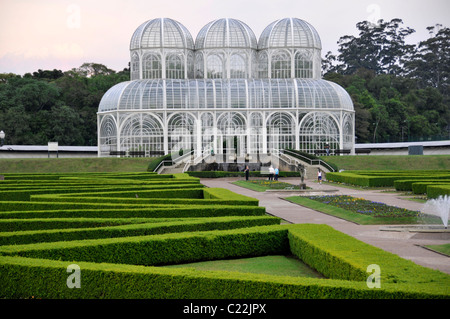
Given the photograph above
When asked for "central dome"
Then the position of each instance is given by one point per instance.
(161, 33)
(289, 33)
(226, 33)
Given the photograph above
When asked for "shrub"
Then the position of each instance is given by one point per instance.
(436, 191)
(107, 228)
(340, 256)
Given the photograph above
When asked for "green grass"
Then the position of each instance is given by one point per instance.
(389, 162)
(443, 249)
(263, 185)
(359, 218)
(73, 165)
(269, 265)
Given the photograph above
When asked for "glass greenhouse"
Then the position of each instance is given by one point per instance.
(225, 91)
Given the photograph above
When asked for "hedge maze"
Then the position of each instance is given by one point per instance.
(432, 183)
(120, 230)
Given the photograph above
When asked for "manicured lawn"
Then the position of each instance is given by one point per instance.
(362, 211)
(73, 165)
(260, 185)
(443, 249)
(269, 265)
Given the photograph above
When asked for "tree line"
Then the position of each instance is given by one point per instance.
(400, 91)
(51, 105)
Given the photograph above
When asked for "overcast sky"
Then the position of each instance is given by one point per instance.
(63, 34)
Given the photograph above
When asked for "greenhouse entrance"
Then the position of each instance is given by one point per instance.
(233, 147)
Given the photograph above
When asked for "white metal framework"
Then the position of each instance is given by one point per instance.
(226, 92)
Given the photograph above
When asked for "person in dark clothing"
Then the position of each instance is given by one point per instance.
(247, 173)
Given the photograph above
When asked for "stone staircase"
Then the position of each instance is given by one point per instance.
(174, 169)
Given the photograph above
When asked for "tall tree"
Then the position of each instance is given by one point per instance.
(378, 47)
(430, 64)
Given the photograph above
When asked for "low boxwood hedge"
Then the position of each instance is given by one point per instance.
(108, 228)
(406, 184)
(436, 191)
(383, 178)
(133, 211)
(421, 187)
(341, 257)
(219, 174)
(163, 249)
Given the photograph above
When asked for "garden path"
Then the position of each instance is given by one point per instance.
(405, 244)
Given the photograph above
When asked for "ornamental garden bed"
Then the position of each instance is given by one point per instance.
(362, 211)
(264, 185)
(132, 241)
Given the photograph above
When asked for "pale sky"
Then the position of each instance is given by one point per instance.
(63, 34)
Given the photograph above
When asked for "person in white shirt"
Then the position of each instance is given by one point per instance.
(271, 172)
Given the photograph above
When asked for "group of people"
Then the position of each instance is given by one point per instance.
(273, 173)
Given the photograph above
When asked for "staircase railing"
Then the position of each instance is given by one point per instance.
(309, 161)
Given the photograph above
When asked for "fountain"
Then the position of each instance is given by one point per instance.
(439, 207)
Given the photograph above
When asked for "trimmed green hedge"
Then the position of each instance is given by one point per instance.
(138, 211)
(436, 191)
(171, 248)
(341, 256)
(228, 196)
(219, 174)
(383, 178)
(103, 230)
(128, 224)
(421, 187)
(406, 185)
(33, 224)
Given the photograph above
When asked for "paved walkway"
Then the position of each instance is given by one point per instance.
(407, 245)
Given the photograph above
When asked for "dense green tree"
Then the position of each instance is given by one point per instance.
(379, 47)
(429, 64)
(399, 91)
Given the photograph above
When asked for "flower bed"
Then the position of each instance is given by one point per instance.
(273, 184)
(363, 206)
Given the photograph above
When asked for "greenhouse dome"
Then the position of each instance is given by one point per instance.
(225, 48)
(290, 48)
(161, 48)
(262, 97)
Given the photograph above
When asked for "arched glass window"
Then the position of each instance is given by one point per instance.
(108, 135)
(142, 132)
(303, 66)
(316, 130)
(207, 122)
(152, 67)
(280, 131)
(281, 65)
(237, 67)
(255, 133)
(214, 66)
(135, 66)
(175, 66)
(263, 65)
(181, 132)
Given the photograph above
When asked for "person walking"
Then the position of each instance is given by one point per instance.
(319, 176)
(277, 172)
(247, 172)
(271, 172)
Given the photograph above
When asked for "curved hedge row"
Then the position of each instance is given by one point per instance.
(121, 233)
(401, 180)
(342, 257)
